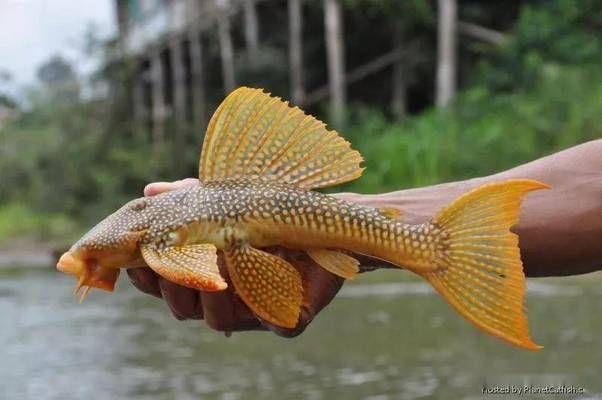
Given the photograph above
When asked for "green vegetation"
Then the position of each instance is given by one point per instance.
(482, 134)
(18, 220)
(72, 155)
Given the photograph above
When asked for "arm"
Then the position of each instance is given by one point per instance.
(560, 234)
(560, 229)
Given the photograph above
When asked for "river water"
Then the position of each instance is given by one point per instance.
(385, 337)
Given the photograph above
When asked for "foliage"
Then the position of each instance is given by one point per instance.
(17, 220)
(74, 153)
(563, 32)
(482, 134)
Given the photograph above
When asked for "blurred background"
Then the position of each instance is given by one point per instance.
(100, 97)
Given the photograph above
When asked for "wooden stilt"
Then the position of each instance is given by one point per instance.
(446, 63)
(158, 97)
(225, 44)
(199, 107)
(336, 60)
(295, 18)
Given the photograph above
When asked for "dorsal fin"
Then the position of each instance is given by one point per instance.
(254, 135)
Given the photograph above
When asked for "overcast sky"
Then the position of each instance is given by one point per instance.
(33, 30)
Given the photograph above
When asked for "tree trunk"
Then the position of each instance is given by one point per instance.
(398, 95)
(251, 30)
(446, 63)
(295, 50)
(179, 100)
(225, 44)
(336, 60)
(199, 108)
(140, 113)
(158, 97)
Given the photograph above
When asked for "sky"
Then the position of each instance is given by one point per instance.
(31, 31)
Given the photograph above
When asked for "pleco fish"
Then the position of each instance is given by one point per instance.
(259, 162)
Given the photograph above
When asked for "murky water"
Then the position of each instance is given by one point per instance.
(377, 341)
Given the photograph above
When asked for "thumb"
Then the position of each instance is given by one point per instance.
(155, 188)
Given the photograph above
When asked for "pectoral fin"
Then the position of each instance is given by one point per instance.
(335, 262)
(193, 266)
(269, 285)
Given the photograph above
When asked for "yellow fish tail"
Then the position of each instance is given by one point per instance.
(479, 266)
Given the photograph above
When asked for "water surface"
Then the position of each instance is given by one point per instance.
(379, 340)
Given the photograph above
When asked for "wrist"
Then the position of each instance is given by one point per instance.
(418, 204)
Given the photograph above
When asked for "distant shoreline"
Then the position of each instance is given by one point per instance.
(28, 253)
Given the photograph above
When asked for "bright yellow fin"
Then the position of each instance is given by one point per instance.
(480, 271)
(335, 262)
(255, 135)
(269, 285)
(390, 212)
(193, 266)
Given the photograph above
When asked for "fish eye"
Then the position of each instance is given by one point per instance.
(138, 205)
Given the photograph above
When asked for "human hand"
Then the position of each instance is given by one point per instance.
(224, 310)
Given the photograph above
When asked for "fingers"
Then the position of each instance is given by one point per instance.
(155, 188)
(184, 303)
(224, 311)
(145, 280)
(319, 288)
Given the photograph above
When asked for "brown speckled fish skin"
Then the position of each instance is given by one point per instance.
(269, 214)
(259, 163)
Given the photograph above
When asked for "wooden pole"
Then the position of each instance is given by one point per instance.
(179, 99)
(336, 60)
(398, 95)
(446, 63)
(295, 50)
(225, 44)
(251, 29)
(157, 97)
(199, 107)
(138, 102)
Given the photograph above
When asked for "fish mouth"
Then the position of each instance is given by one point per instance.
(69, 264)
(89, 273)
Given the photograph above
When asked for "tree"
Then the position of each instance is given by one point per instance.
(446, 47)
(251, 29)
(225, 44)
(295, 51)
(59, 79)
(336, 60)
(6, 100)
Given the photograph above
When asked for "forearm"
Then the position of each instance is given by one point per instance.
(560, 229)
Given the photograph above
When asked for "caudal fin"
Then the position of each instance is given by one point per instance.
(481, 273)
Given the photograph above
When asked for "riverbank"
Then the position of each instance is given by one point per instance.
(29, 253)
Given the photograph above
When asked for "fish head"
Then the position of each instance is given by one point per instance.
(95, 259)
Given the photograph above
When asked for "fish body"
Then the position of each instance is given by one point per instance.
(260, 161)
(268, 214)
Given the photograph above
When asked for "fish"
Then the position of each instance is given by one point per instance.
(260, 165)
